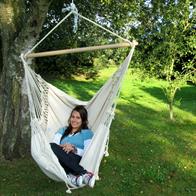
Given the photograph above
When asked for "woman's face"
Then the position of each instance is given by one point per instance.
(75, 120)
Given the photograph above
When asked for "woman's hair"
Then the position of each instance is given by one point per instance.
(84, 117)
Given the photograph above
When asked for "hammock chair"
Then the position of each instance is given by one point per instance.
(50, 109)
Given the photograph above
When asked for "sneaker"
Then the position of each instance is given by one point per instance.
(76, 180)
(89, 179)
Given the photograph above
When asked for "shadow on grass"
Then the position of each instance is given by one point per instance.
(156, 155)
(24, 177)
(185, 99)
(79, 89)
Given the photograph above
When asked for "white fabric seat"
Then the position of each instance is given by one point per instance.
(50, 109)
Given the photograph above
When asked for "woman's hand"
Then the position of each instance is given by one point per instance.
(68, 148)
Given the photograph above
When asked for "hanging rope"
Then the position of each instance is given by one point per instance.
(126, 40)
(36, 45)
(73, 9)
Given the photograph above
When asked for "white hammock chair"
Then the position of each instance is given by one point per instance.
(50, 109)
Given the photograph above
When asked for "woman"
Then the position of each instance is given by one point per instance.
(69, 144)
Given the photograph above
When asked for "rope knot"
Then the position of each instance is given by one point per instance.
(74, 9)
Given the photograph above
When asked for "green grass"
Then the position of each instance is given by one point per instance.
(149, 154)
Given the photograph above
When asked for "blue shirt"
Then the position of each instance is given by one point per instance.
(80, 140)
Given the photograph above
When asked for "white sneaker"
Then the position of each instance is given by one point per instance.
(76, 180)
(89, 179)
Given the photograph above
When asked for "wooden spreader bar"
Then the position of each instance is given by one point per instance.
(83, 49)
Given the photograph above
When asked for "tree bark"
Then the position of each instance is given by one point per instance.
(17, 35)
(171, 111)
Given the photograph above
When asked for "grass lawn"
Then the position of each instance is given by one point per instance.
(149, 154)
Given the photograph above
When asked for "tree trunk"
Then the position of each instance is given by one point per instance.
(171, 111)
(14, 113)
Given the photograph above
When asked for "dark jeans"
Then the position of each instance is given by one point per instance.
(69, 161)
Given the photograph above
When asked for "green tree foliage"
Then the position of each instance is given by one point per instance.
(167, 33)
(104, 13)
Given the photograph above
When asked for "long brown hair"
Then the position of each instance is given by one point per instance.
(84, 116)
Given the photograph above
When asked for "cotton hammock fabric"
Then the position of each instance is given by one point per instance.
(50, 109)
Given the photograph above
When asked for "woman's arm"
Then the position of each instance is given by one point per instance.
(57, 137)
(80, 151)
(71, 148)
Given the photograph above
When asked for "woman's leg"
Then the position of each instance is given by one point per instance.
(69, 161)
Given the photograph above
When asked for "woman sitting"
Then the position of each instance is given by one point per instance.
(69, 144)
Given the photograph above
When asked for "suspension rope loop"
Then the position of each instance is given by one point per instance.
(72, 7)
(75, 12)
